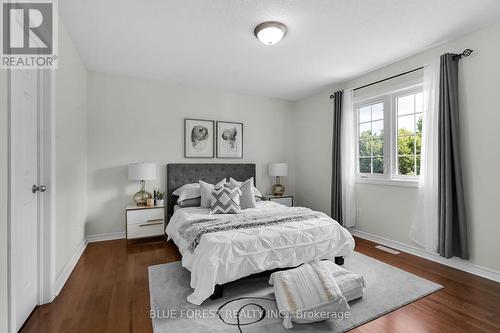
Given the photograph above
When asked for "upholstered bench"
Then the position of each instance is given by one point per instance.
(315, 291)
(351, 284)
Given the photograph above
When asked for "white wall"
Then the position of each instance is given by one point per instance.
(3, 200)
(131, 120)
(387, 211)
(71, 151)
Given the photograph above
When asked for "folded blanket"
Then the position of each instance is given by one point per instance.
(193, 231)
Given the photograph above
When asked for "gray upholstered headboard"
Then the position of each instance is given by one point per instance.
(179, 174)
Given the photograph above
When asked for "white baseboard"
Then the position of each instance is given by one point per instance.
(106, 237)
(63, 277)
(457, 263)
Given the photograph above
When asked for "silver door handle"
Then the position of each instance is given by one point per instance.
(41, 188)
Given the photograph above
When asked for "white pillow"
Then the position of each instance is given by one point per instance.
(188, 191)
(256, 191)
(194, 202)
(308, 293)
(206, 192)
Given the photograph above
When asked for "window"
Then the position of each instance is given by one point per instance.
(409, 119)
(389, 134)
(371, 138)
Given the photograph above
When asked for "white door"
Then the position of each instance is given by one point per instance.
(24, 202)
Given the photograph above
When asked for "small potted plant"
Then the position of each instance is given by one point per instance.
(160, 198)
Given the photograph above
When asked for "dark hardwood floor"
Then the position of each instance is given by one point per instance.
(108, 292)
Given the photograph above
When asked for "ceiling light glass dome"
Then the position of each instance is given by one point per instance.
(270, 32)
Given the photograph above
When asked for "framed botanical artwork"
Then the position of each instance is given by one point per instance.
(199, 136)
(229, 140)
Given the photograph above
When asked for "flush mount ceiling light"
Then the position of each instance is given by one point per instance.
(270, 32)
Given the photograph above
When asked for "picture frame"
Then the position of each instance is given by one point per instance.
(199, 138)
(229, 139)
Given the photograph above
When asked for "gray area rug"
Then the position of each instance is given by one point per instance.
(387, 288)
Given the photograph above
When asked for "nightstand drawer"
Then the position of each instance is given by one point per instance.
(287, 201)
(147, 229)
(140, 216)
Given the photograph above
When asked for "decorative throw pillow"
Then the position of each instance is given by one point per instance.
(225, 200)
(256, 191)
(206, 192)
(247, 198)
(308, 293)
(187, 191)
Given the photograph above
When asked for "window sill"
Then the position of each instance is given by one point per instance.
(389, 182)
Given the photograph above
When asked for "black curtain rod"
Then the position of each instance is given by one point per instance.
(389, 78)
(386, 79)
(465, 53)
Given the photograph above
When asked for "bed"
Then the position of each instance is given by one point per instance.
(228, 255)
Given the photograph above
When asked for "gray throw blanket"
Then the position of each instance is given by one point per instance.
(193, 231)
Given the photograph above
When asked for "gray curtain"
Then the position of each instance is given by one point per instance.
(452, 219)
(336, 197)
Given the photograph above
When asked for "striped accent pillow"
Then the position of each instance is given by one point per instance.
(247, 198)
(256, 191)
(225, 200)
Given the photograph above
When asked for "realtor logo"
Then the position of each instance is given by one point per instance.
(29, 34)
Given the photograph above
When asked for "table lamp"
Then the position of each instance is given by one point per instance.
(142, 172)
(278, 170)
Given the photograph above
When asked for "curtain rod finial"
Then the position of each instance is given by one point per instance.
(465, 53)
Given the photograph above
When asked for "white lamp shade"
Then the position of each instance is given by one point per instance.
(142, 171)
(278, 169)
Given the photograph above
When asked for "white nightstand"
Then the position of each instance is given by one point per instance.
(142, 221)
(286, 200)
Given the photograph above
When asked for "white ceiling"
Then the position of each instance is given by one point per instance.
(210, 43)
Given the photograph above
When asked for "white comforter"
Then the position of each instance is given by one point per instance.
(226, 256)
